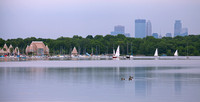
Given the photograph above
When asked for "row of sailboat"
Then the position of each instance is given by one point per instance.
(156, 53)
(117, 53)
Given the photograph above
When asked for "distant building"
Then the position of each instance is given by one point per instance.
(140, 28)
(16, 51)
(177, 28)
(74, 52)
(37, 48)
(127, 34)
(119, 30)
(160, 36)
(184, 32)
(148, 28)
(5, 47)
(155, 35)
(4, 50)
(168, 35)
(9, 51)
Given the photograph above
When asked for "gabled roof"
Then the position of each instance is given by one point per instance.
(38, 44)
(5, 46)
(74, 51)
(10, 46)
(16, 50)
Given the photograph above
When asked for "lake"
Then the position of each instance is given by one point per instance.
(100, 81)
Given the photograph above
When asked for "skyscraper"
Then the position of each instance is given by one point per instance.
(120, 30)
(184, 32)
(177, 28)
(140, 28)
(155, 35)
(148, 28)
(168, 35)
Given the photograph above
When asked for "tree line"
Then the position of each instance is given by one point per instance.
(99, 44)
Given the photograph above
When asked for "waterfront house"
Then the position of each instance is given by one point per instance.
(37, 48)
(9, 51)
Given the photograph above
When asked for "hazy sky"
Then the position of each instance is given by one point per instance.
(55, 18)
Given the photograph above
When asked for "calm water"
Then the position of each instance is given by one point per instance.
(100, 84)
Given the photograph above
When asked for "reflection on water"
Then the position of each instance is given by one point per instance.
(177, 83)
(152, 84)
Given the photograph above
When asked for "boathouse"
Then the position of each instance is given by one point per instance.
(37, 48)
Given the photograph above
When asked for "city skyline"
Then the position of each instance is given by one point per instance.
(52, 19)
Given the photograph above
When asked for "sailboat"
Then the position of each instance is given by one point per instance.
(117, 54)
(156, 53)
(113, 52)
(176, 53)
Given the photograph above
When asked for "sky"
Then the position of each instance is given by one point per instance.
(56, 18)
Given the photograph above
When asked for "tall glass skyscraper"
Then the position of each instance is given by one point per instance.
(148, 28)
(177, 28)
(140, 28)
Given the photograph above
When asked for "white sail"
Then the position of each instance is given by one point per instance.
(113, 52)
(156, 53)
(117, 52)
(176, 53)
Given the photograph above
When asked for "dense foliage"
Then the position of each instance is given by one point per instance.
(188, 45)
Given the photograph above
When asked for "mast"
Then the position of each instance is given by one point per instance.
(127, 48)
(99, 50)
(79, 50)
(107, 49)
(131, 49)
(92, 50)
(96, 50)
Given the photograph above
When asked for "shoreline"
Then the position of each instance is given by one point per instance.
(103, 63)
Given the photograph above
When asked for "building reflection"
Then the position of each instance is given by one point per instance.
(142, 82)
(177, 83)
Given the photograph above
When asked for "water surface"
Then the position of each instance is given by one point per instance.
(100, 84)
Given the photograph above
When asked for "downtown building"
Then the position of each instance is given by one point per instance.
(140, 28)
(119, 29)
(178, 30)
(168, 35)
(155, 35)
(148, 28)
